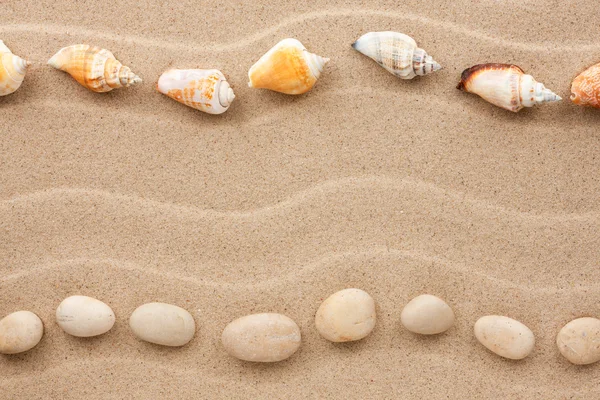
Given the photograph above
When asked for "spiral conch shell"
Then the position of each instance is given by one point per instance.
(397, 53)
(506, 86)
(94, 68)
(585, 89)
(12, 70)
(203, 89)
(287, 68)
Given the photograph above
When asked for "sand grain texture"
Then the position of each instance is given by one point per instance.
(398, 188)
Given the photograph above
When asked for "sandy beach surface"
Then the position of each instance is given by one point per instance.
(398, 188)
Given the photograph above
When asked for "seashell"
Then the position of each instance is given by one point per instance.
(12, 70)
(506, 86)
(203, 89)
(94, 68)
(585, 90)
(287, 68)
(396, 52)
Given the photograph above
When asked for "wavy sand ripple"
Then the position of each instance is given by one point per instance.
(302, 19)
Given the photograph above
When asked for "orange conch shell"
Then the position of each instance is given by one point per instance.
(585, 90)
(12, 70)
(203, 89)
(506, 86)
(94, 68)
(287, 68)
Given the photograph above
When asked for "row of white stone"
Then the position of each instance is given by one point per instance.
(347, 315)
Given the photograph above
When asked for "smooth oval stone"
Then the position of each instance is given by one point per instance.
(346, 315)
(505, 336)
(265, 337)
(428, 315)
(19, 332)
(579, 341)
(84, 316)
(163, 324)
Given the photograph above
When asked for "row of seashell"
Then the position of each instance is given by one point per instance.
(291, 69)
(345, 316)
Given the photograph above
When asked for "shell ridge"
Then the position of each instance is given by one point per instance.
(585, 88)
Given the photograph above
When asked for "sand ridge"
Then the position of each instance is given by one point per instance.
(398, 188)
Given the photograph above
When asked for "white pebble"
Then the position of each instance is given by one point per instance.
(19, 332)
(428, 315)
(346, 315)
(84, 316)
(579, 341)
(163, 324)
(265, 337)
(505, 336)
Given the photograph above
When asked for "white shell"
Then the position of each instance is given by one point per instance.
(84, 316)
(163, 324)
(346, 316)
(265, 337)
(19, 332)
(506, 86)
(505, 336)
(12, 70)
(203, 89)
(427, 315)
(397, 53)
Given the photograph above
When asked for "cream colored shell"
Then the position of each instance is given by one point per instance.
(287, 68)
(397, 53)
(203, 89)
(94, 68)
(12, 70)
(506, 86)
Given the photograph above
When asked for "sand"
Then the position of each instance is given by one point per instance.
(398, 188)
